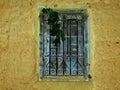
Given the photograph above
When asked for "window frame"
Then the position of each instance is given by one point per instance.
(85, 22)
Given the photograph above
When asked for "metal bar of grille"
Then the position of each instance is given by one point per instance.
(63, 62)
(64, 55)
(56, 62)
(77, 45)
(50, 53)
(70, 47)
(82, 27)
(43, 43)
(67, 40)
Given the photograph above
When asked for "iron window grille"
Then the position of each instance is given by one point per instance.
(70, 58)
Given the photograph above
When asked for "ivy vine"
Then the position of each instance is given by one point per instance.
(53, 22)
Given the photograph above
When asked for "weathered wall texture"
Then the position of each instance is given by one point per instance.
(19, 52)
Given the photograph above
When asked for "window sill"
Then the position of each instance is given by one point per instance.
(63, 78)
(63, 85)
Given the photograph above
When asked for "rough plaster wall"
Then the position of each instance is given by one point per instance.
(107, 49)
(18, 47)
(19, 32)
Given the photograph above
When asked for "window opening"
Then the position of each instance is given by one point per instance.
(70, 58)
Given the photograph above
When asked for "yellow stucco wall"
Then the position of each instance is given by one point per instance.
(19, 51)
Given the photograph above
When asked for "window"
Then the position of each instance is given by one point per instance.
(70, 58)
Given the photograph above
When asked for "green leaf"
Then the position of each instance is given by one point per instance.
(56, 41)
(55, 26)
(44, 11)
(62, 35)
